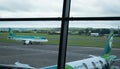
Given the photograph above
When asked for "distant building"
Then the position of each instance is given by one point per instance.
(54, 32)
(94, 34)
(117, 35)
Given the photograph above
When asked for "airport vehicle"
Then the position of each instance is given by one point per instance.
(104, 61)
(27, 39)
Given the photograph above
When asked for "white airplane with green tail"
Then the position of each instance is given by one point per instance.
(26, 39)
(104, 61)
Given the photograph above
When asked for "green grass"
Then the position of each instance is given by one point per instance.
(73, 40)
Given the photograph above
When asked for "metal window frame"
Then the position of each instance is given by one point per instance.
(64, 27)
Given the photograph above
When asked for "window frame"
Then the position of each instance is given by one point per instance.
(64, 27)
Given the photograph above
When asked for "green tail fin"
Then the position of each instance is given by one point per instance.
(11, 32)
(108, 47)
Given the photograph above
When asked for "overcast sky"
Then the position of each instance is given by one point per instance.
(53, 8)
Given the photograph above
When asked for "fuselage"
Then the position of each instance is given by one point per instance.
(90, 63)
(28, 39)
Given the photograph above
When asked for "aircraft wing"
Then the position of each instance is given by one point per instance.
(5, 66)
(17, 65)
(92, 56)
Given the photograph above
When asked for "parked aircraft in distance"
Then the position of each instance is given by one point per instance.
(104, 61)
(26, 39)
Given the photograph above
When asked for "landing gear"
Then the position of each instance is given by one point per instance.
(30, 42)
(27, 42)
(24, 43)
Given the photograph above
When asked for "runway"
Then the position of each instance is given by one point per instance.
(45, 55)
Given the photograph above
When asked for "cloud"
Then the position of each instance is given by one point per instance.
(30, 24)
(44, 8)
(13, 5)
(30, 8)
(95, 8)
(53, 8)
(95, 24)
(111, 7)
(23, 14)
(30, 5)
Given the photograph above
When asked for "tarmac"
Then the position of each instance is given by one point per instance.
(45, 55)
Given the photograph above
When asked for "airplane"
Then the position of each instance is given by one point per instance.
(26, 39)
(104, 61)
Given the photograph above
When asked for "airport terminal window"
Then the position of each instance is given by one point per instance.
(87, 33)
(95, 8)
(74, 16)
(30, 9)
(35, 48)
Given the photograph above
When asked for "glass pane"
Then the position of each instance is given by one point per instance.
(95, 8)
(95, 24)
(30, 8)
(31, 42)
(30, 24)
(89, 38)
(86, 30)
